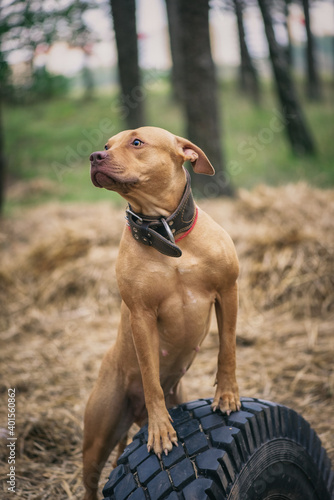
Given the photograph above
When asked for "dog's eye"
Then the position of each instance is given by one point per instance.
(106, 147)
(137, 142)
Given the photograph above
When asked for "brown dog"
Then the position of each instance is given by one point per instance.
(175, 263)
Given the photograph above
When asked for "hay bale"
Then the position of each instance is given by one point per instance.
(29, 189)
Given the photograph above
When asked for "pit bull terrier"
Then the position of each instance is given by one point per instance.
(175, 265)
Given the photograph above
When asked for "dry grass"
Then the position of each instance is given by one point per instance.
(60, 310)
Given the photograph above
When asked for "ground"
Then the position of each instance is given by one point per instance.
(60, 310)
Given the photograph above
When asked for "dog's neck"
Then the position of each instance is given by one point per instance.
(162, 203)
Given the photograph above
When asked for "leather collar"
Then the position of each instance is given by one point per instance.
(161, 232)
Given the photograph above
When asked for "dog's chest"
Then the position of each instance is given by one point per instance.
(185, 305)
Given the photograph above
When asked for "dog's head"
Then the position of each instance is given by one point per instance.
(145, 160)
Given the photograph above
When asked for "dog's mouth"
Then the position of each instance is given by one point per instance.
(103, 178)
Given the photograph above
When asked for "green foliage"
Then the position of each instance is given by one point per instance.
(45, 85)
(54, 139)
(257, 148)
(25, 24)
(42, 86)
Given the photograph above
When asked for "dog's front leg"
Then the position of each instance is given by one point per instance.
(227, 393)
(161, 434)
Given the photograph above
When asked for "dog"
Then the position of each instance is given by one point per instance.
(174, 265)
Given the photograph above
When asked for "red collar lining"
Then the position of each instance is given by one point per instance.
(189, 230)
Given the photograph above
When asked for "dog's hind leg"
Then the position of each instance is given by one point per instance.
(107, 419)
(120, 448)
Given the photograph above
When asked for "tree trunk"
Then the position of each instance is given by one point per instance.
(87, 74)
(200, 96)
(248, 78)
(289, 54)
(2, 162)
(3, 80)
(296, 127)
(175, 41)
(124, 17)
(313, 81)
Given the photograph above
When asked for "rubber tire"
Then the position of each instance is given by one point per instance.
(266, 451)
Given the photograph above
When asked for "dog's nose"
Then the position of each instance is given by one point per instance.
(98, 156)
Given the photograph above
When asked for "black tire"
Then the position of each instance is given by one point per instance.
(265, 451)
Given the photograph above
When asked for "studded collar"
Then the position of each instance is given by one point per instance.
(162, 233)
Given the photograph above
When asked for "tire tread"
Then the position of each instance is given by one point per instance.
(212, 450)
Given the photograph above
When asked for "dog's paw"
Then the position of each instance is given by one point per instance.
(161, 435)
(226, 401)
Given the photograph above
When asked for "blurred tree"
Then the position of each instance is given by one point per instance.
(248, 75)
(175, 40)
(200, 95)
(297, 130)
(248, 79)
(3, 78)
(124, 17)
(2, 165)
(27, 24)
(87, 74)
(313, 80)
(286, 12)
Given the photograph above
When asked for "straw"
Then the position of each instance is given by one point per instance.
(60, 311)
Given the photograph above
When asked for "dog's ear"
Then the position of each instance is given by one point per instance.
(196, 156)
